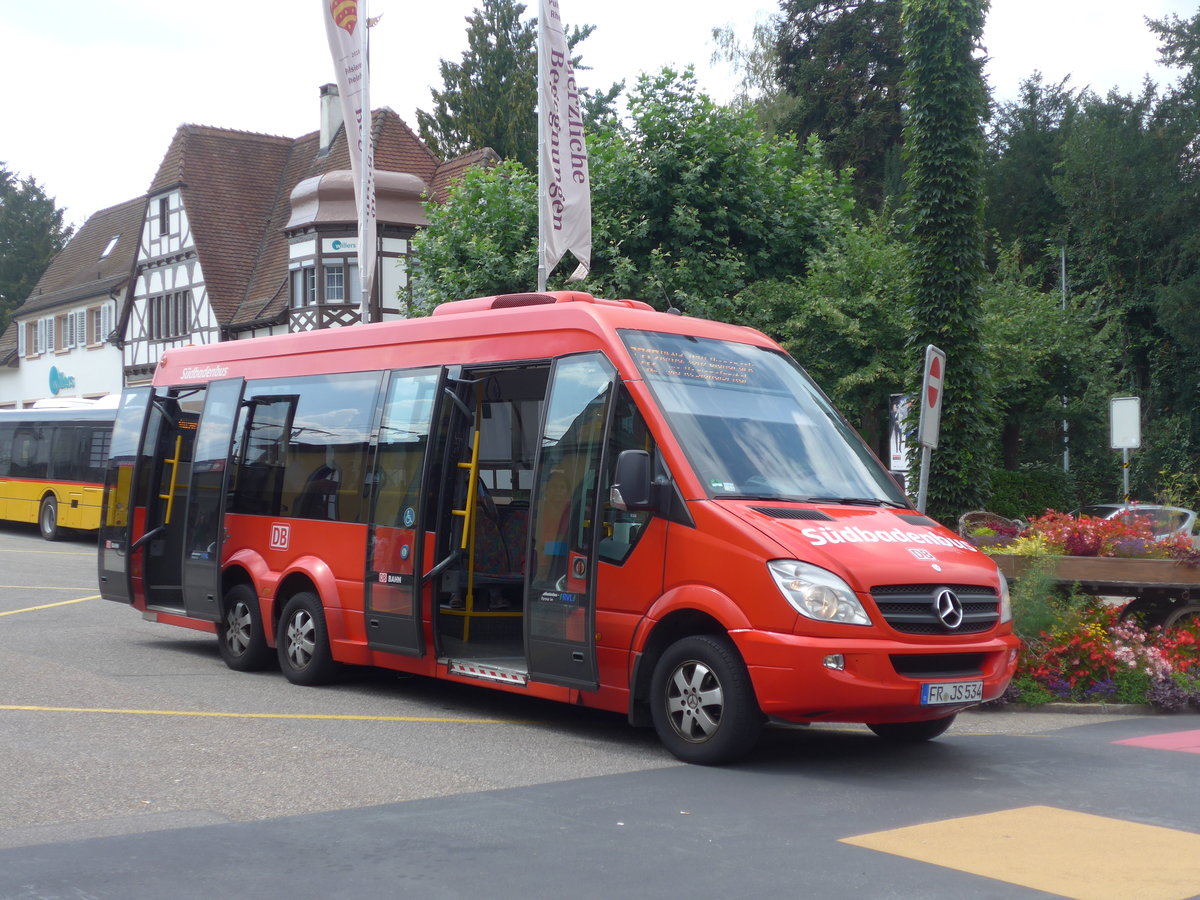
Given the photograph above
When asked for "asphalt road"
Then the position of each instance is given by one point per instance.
(134, 764)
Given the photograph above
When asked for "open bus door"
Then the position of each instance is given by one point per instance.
(560, 621)
(400, 541)
(207, 489)
(117, 519)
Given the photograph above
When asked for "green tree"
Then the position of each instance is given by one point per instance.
(946, 100)
(31, 235)
(691, 203)
(1024, 148)
(841, 60)
(757, 64)
(846, 322)
(489, 98)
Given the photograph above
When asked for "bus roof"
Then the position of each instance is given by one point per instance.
(467, 332)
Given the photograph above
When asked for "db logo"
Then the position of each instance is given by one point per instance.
(281, 535)
(922, 554)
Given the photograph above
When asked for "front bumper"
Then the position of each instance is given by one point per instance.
(792, 682)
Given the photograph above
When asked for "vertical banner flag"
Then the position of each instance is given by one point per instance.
(342, 19)
(564, 195)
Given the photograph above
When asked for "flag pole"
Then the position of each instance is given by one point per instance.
(364, 171)
(542, 274)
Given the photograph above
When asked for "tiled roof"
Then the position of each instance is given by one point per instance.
(8, 345)
(83, 269)
(452, 169)
(237, 187)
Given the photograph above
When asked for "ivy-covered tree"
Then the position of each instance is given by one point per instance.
(943, 146)
(31, 235)
(691, 203)
(489, 97)
(841, 60)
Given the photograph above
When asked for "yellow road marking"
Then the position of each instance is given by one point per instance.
(1058, 851)
(13, 612)
(230, 715)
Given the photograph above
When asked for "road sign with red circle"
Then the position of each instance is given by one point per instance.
(931, 397)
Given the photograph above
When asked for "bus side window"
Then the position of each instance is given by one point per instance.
(623, 529)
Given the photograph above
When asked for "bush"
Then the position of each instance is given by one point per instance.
(1030, 491)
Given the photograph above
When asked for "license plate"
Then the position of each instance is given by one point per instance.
(944, 692)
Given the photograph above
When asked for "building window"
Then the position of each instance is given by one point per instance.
(99, 324)
(164, 216)
(168, 316)
(335, 284)
(304, 287)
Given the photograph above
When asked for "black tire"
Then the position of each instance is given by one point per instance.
(48, 519)
(241, 637)
(912, 732)
(1183, 614)
(302, 642)
(703, 703)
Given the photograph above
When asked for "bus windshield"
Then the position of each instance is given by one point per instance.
(754, 426)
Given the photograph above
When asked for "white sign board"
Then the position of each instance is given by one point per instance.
(1126, 423)
(931, 397)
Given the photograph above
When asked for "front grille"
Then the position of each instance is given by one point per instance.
(938, 665)
(788, 512)
(909, 607)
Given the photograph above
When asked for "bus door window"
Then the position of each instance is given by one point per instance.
(560, 601)
(398, 510)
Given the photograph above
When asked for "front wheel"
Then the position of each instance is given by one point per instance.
(912, 732)
(240, 634)
(48, 519)
(703, 703)
(303, 642)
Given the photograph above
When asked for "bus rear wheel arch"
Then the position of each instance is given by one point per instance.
(302, 642)
(241, 637)
(48, 518)
(702, 701)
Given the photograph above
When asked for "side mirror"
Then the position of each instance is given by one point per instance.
(631, 483)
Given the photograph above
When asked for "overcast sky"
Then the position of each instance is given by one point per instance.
(94, 89)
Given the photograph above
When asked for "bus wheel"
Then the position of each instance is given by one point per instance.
(303, 642)
(912, 732)
(48, 519)
(703, 703)
(240, 635)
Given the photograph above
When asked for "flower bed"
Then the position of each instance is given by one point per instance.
(1101, 657)
(1077, 648)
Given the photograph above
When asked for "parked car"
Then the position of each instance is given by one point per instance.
(1164, 520)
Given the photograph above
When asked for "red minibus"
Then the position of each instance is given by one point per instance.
(556, 495)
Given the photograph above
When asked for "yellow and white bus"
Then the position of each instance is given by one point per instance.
(52, 467)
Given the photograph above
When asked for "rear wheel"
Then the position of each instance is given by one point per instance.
(912, 732)
(303, 642)
(703, 703)
(240, 634)
(48, 519)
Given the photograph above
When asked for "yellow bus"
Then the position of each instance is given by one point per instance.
(52, 467)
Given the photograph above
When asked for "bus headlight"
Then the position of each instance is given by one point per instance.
(817, 593)
(1005, 601)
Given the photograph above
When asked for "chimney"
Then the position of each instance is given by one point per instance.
(331, 116)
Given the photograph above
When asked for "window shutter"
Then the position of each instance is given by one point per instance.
(39, 343)
(21, 338)
(81, 328)
(68, 330)
(49, 330)
(105, 321)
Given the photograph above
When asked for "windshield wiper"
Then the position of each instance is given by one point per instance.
(857, 501)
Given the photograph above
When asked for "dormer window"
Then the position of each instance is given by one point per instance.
(109, 247)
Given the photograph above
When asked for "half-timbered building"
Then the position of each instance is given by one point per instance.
(252, 234)
(60, 346)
